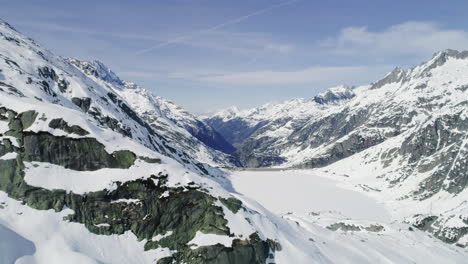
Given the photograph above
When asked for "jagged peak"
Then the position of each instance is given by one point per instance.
(441, 57)
(132, 86)
(101, 65)
(229, 112)
(396, 75)
(396, 71)
(450, 53)
(6, 24)
(438, 59)
(99, 70)
(339, 88)
(335, 94)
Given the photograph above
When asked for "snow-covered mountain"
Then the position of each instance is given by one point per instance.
(84, 178)
(335, 94)
(178, 126)
(403, 138)
(260, 134)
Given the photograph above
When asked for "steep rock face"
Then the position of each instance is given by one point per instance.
(201, 141)
(98, 70)
(405, 134)
(42, 79)
(183, 212)
(262, 135)
(341, 122)
(83, 153)
(56, 121)
(334, 94)
(159, 110)
(210, 137)
(440, 148)
(421, 161)
(235, 130)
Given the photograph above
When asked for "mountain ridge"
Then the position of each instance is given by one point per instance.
(403, 138)
(164, 114)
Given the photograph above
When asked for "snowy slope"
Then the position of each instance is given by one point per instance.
(192, 134)
(315, 199)
(263, 135)
(72, 147)
(403, 138)
(85, 179)
(38, 80)
(411, 146)
(335, 94)
(178, 126)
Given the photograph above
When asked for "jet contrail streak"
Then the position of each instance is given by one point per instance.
(230, 22)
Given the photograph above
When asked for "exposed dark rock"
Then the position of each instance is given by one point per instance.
(434, 225)
(334, 95)
(425, 223)
(48, 73)
(110, 122)
(59, 123)
(344, 227)
(84, 103)
(76, 154)
(350, 146)
(210, 137)
(62, 85)
(128, 111)
(355, 228)
(97, 69)
(232, 204)
(254, 251)
(397, 75)
(184, 212)
(235, 131)
(6, 146)
(11, 89)
(451, 166)
(150, 160)
(46, 88)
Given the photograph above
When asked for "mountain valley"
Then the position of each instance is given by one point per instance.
(95, 169)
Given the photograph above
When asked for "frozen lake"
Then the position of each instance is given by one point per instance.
(301, 191)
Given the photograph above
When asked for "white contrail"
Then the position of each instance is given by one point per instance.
(230, 22)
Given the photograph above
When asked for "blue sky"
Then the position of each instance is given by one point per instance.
(211, 54)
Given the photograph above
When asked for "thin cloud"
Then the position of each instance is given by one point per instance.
(214, 28)
(313, 75)
(243, 43)
(141, 75)
(86, 31)
(410, 38)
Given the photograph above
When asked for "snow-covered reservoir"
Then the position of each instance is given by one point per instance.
(304, 191)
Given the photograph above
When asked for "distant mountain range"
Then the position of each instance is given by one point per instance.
(405, 135)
